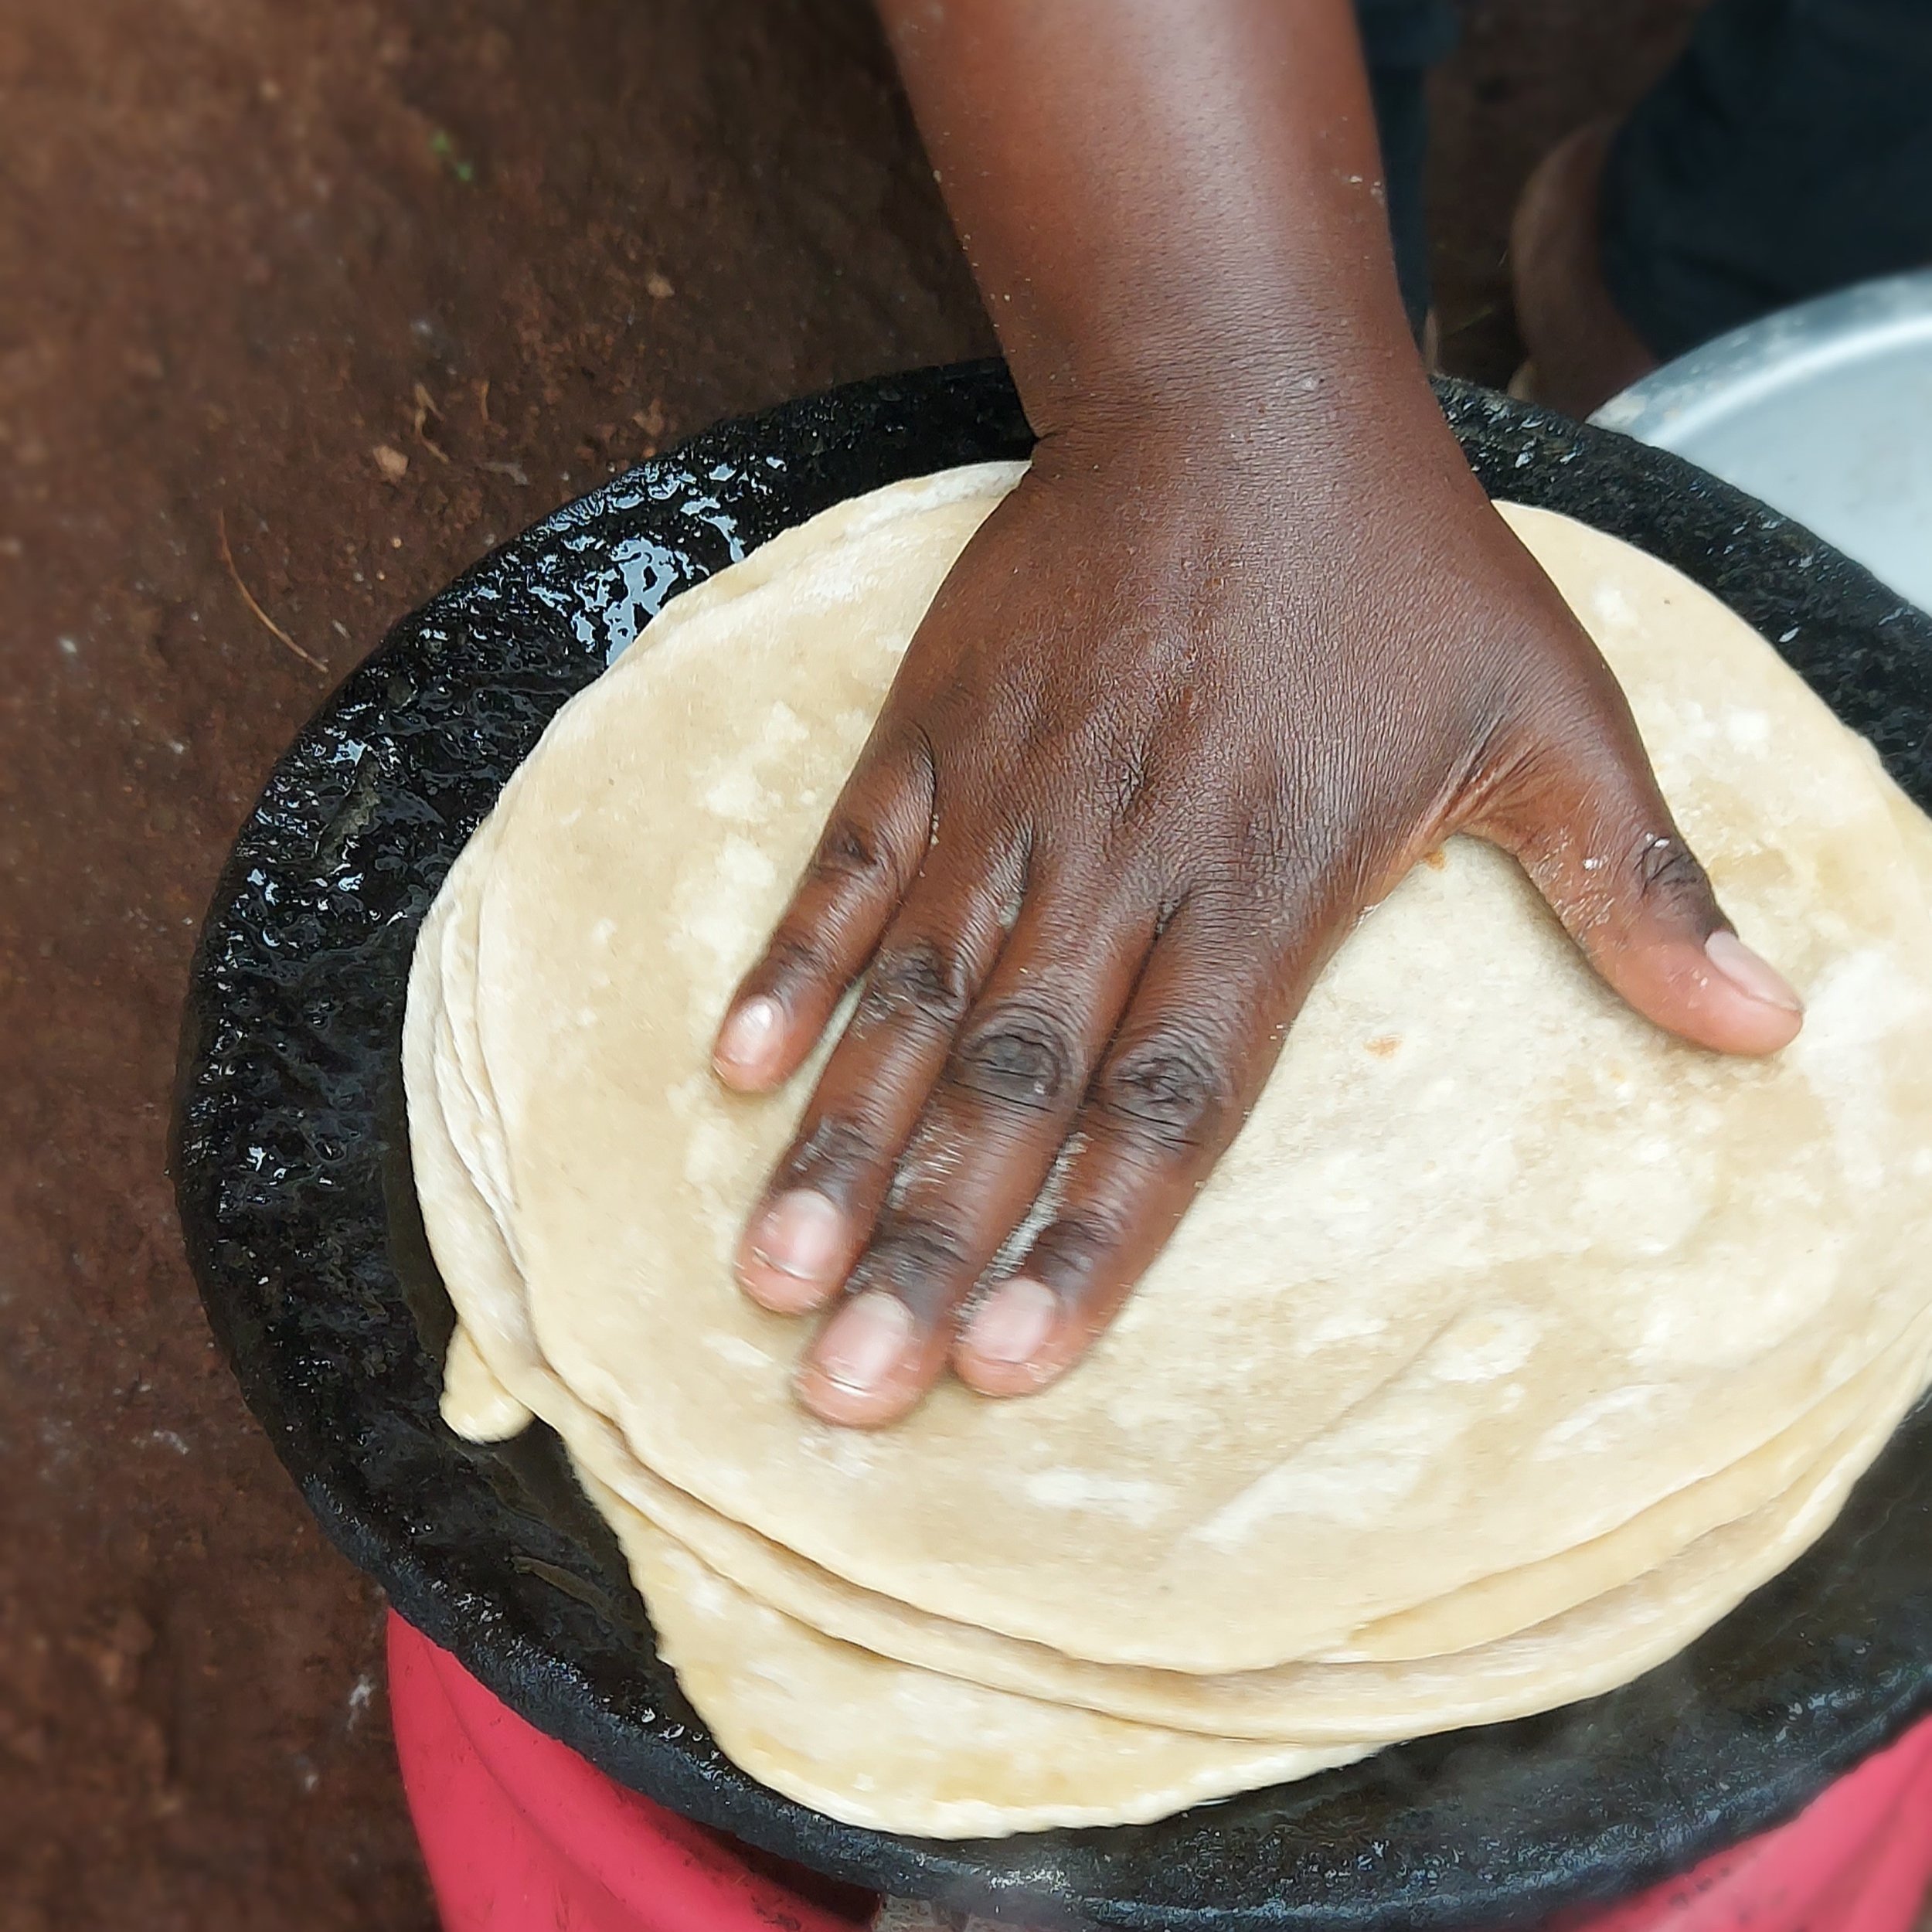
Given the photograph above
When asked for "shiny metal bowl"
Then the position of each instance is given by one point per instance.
(1823, 411)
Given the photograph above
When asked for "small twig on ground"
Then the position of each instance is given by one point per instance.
(248, 597)
(425, 408)
(483, 400)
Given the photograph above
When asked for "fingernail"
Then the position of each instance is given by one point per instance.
(801, 1235)
(1013, 1320)
(748, 1034)
(861, 1342)
(1755, 978)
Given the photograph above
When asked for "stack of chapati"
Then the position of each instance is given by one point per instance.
(1512, 1345)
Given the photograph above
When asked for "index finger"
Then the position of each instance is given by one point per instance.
(863, 866)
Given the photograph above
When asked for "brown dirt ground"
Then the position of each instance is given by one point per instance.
(246, 248)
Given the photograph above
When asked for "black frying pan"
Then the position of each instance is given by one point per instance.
(292, 1170)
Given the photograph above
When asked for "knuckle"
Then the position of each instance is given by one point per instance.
(1167, 1089)
(1070, 1251)
(1022, 1058)
(1667, 870)
(833, 1156)
(920, 1258)
(792, 960)
(1132, 784)
(849, 853)
(920, 982)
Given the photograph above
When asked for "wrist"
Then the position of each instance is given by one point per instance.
(1350, 389)
(1314, 332)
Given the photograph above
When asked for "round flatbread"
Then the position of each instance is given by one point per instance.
(1489, 1682)
(930, 1755)
(1592, 1648)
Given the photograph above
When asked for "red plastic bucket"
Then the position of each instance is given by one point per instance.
(521, 1834)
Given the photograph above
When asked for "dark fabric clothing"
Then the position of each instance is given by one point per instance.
(1402, 121)
(1402, 40)
(1788, 153)
(1407, 33)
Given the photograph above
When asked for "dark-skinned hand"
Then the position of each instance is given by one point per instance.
(1240, 649)
(1178, 716)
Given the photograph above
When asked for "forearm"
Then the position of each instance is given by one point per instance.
(1153, 192)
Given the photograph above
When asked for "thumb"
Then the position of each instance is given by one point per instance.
(1592, 832)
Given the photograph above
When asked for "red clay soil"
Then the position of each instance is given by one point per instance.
(366, 286)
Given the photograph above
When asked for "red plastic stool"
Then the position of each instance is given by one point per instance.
(521, 1834)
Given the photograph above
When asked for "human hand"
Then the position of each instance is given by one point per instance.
(1196, 695)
